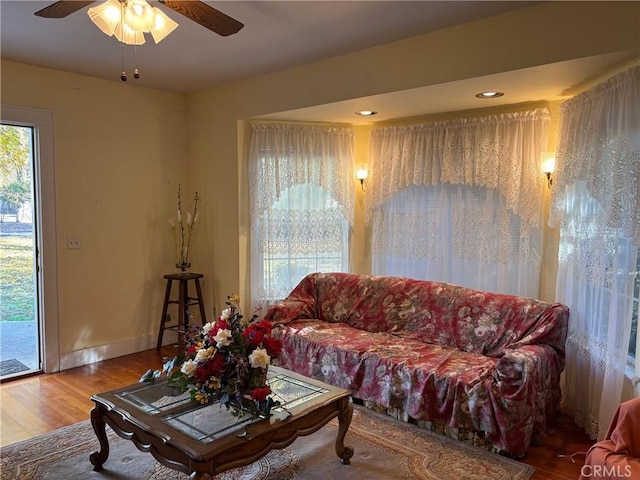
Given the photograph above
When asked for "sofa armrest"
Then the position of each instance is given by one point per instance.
(287, 311)
(526, 392)
(300, 303)
(522, 371)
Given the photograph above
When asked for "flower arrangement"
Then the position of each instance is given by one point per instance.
(226, 360)
(182, 231)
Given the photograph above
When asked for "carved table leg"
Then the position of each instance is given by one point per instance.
(98, 458)
(345, 411)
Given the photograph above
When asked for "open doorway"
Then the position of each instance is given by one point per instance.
(28, 267)
(19, 319)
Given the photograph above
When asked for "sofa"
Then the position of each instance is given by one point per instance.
(463, 359)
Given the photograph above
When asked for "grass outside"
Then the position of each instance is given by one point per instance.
(17, 288)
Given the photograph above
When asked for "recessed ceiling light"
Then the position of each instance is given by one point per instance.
(366, 113)
(489, 94)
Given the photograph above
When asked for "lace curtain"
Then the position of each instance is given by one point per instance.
(597, 204)
(302, 205)
(460, 201)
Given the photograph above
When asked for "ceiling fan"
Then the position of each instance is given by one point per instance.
(195, 10)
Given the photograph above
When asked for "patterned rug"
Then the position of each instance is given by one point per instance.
(11, 366)
(385, 449)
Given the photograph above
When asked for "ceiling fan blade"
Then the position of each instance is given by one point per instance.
(62, 8)
(207, 16)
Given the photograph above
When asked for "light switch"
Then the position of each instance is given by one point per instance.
(73, 243)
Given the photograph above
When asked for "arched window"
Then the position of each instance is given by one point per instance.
(301, 196)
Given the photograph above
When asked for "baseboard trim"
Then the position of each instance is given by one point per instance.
(86, 356)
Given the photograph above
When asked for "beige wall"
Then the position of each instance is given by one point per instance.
(119, 153)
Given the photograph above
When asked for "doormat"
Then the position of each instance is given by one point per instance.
(11, 366)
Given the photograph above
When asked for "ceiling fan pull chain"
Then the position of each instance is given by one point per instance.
(123, 76)
(136, 72)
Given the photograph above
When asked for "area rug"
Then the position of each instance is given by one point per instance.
(11, 366)
(385, 449)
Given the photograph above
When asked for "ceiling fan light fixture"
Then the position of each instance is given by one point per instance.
(162, 26)
(106, 16)
(127, 35)
(128, 20)
(139, 15)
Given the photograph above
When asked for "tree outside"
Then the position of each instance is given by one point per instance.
(15, 171)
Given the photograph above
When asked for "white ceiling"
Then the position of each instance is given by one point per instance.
(279, 35)
(546, 83)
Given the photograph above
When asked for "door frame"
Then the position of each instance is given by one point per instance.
(45, 227)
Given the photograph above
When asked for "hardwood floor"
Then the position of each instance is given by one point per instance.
(35, 405)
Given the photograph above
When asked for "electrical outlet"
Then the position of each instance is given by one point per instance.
(73, 243)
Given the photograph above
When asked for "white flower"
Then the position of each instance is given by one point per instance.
(259, 358)
(189, 368)
(206, 328)
(223, 338)
(226, 313)
(205, 354)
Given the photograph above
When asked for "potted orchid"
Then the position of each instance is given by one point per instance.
(183, 230)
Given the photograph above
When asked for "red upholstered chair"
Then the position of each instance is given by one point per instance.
(617, 457)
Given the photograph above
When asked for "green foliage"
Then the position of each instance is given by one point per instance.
(15, 154)
(15, 193)
(17, 288)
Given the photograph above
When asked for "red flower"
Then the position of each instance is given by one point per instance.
(265, 326)
(273, 346)
(254, 334)
(257, 333)
(202, 374)
(260, 394)
(217, 365)
(191, 350)
(221, 324)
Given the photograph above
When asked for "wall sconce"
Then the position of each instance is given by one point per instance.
(361, 175)
(549, 166)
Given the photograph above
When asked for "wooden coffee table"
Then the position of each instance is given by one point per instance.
(204, 440)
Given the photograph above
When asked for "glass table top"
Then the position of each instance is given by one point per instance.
(206, 423)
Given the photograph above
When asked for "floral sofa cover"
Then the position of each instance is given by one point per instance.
(443, 353)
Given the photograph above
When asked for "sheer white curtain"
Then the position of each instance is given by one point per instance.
(301, 205)
(597, 203)
(460, 201)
